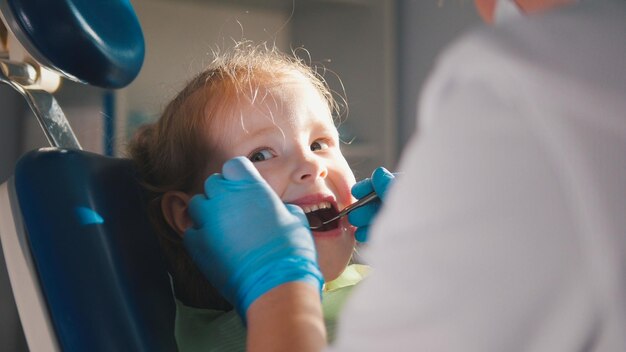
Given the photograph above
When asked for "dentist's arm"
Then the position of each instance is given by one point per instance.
(287, 318)
(260, 254)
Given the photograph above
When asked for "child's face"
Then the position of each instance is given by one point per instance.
(289, 134)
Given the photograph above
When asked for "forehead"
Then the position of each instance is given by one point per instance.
(289, 100)
(292, 94)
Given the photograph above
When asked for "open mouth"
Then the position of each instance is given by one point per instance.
(317, 214)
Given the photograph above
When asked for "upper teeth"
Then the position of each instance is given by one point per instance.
(310, 208)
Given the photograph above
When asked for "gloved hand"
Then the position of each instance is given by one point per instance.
(362, 217)
(246, 241)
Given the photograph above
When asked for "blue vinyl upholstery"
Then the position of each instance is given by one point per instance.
(99, 264)
(93, 41)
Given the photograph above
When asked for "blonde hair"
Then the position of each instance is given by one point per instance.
(172, 154)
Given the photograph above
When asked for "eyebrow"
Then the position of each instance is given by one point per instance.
(264, 131)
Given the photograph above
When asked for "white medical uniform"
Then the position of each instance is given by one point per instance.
(507, 231)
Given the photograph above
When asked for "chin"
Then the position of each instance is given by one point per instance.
(334, 254)
(331, 273)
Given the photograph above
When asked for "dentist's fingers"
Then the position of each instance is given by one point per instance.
(361, 234)
(199, 209)
(241, 169)
(363, 216)
(237, 174)
(362, 188)
(216, 184)
(379, 182)
(381, 179)
(297, 211)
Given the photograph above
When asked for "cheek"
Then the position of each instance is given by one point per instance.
(342, 177)
(214, 166)
(273, 176)
(346, 172)
(216, 156)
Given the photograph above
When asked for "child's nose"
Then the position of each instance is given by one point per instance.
(310, 167)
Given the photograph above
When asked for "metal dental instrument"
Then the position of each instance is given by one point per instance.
(359, 203)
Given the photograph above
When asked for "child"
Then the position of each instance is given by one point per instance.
(275, 110)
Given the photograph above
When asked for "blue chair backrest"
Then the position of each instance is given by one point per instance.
(99, 264)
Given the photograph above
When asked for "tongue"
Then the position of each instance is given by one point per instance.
(316, 218)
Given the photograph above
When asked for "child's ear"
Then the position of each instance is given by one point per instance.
(174, 207)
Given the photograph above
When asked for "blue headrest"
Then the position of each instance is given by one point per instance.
(99, 264)
(96, 42)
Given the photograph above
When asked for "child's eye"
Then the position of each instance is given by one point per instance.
(261, 155)
(319, 144)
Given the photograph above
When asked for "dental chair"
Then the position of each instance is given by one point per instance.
(85, 270)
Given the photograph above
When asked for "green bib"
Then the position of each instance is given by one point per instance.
(214, 330)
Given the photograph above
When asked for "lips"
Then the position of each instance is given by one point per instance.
(319, 208)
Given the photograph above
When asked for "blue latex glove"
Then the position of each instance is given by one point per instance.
(362, 217)
(246, 241)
